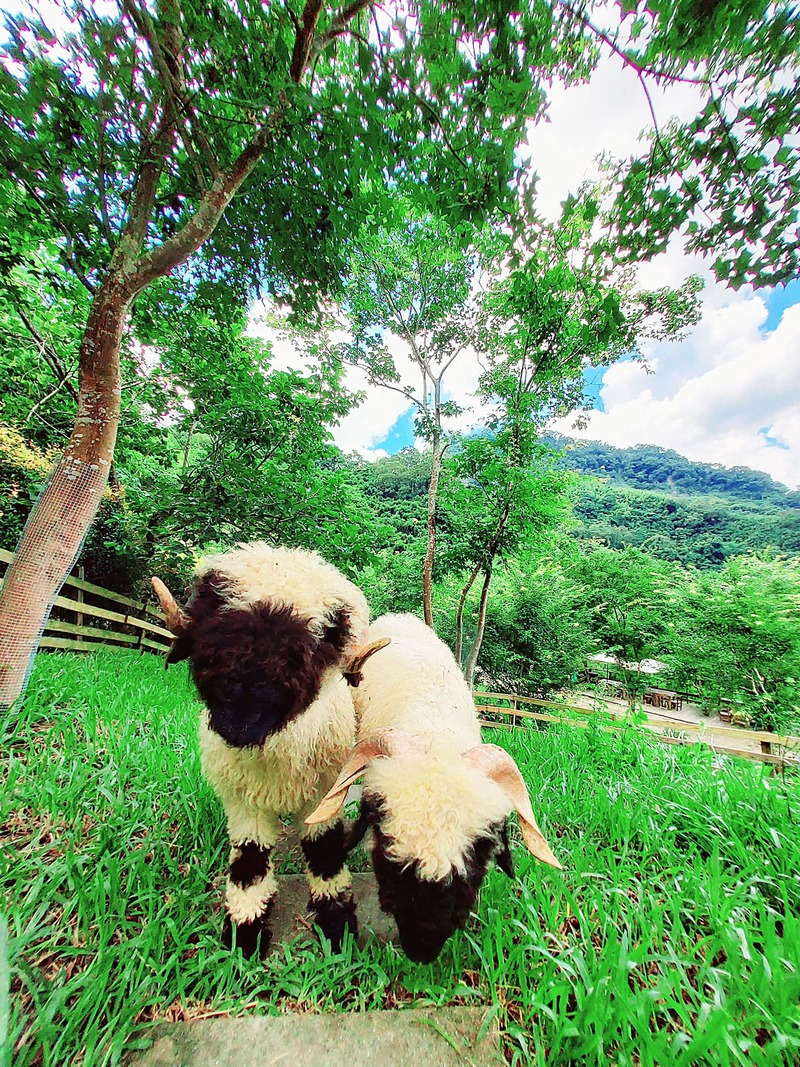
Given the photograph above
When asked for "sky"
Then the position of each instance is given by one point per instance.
(728, 393)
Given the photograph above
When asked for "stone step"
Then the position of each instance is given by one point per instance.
(290, 912)
(415, 1037)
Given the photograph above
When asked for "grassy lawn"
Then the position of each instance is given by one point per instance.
(672, 937)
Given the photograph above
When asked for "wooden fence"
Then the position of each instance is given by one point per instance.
(118, 619)
(134, 624)
(508, 711)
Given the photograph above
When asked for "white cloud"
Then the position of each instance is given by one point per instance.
(605, 115)
(730, 386)
(733, 387)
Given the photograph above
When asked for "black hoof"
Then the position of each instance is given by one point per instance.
(333, 916)
(251, 937)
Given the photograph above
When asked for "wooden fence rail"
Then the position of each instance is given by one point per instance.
(140, 625)
(136, 625)
(510, 708)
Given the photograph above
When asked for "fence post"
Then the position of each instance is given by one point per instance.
(766, 748)
(139, 643)
(80, 596)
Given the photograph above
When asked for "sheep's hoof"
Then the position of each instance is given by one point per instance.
(333, 916)
(251, 937)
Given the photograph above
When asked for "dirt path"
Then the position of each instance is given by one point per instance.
(689, 714)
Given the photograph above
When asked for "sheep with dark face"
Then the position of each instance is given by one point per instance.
(269, 633)
(436, 798)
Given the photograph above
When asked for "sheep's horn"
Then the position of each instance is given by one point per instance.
(353, 666)
(496, 764)
(176, 618)
(357, 762)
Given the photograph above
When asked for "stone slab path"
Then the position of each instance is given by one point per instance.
(413, 1037)
(435, 1037)
(290, 914)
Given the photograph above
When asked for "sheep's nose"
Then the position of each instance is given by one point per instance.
(423, 949)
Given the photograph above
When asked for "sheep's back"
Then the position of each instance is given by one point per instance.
(415, 685)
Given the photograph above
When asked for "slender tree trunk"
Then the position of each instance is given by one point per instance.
(60, 519)
(472, 658)
(460, 613)
(491, 552)
(427, 566)
(437, 452)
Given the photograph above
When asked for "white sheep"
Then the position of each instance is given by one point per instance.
(435, 797)
(269, 634)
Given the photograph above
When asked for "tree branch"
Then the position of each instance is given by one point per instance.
(623, 55)
(101, 167)
(144, 190)
(56, 221)
(165, 257)
(340, 24)
(46, 397)
(46, 350)
(172, 82)
(304, 39)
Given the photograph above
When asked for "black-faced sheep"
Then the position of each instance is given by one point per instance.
(268, 633)
(435, 797)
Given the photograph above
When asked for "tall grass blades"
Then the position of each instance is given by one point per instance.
(671, 938)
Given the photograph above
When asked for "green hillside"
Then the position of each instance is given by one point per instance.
(695, 513)
(651, 467)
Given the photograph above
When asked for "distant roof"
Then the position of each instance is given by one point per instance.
(645, 666)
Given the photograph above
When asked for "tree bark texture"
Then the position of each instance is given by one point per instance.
(61, 517)
(427, 566)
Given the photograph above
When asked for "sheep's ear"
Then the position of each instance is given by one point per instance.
(497, 765)
(358, 761)
(352, 668)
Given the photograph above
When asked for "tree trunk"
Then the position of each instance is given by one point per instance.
(491, 552)
(460, 614)
(472, 658)
(427, 566)
(61, 517)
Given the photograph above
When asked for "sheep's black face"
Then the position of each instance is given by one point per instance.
(256, 669)
(428, 912)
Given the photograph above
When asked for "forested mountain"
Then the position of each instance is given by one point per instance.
(698, 514)
(673, 518)
(651, 467)
(700, 530)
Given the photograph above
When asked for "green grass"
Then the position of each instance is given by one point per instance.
(672, 937)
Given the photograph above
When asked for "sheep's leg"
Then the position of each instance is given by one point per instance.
(251, 886)
(330, 887)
